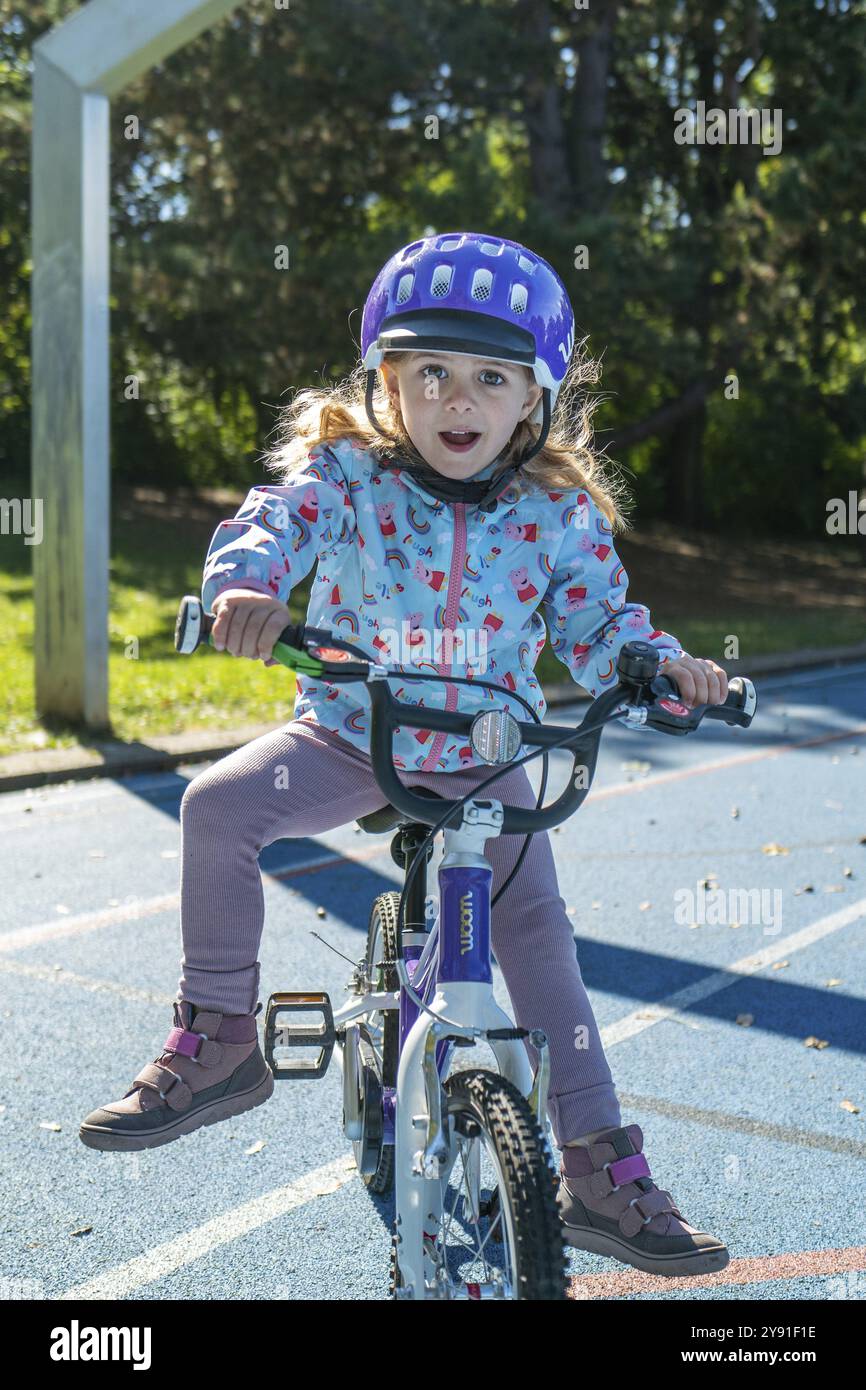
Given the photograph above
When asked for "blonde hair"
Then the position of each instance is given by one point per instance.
(567, 460)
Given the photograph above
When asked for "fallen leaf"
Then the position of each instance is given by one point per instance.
(808, 888)
(745, 1019)
(780, 964)
(82, 1231)
(642, 907)
(256, 1147)
(849, 873)
(830, 983)
(850, 1106)
(834, 888)
(50, 1124)
(320, 912)
(735, 812)
(815, 1042)
(596, 904)
(773, 848)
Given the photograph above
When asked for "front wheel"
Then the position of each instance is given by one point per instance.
(511, 1244)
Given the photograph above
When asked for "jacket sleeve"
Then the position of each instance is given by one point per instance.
(279, 531)
(585, 606)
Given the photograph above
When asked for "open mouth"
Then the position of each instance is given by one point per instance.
(459, 441)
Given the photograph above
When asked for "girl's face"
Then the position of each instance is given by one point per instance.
(442, 392)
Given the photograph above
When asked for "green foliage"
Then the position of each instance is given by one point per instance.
(330, 134)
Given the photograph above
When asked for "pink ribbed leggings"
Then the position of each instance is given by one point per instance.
(302, 780)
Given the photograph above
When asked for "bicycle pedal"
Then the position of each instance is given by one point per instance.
(283, 1035)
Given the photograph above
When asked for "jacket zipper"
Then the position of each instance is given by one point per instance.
(457, 553)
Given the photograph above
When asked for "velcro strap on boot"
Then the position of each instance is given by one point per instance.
(640, 1212)
(618, 1173)
(207, 1051)
(171, 1087)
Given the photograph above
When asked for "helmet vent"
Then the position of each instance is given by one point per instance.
(482, 285)
(519, 296)
(404, 288)
(441, 282)
(450, 243)
(491, 248)
(526, 264)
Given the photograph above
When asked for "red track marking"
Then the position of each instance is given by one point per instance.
(802, 1264)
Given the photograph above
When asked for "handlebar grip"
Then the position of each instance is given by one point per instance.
(193, 626)
(669, 715)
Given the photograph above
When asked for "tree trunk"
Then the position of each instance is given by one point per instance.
(684, 473)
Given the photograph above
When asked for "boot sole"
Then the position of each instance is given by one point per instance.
(113, 1140)
(707, 1261)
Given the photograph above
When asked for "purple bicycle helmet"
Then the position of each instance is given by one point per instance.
(479, 295)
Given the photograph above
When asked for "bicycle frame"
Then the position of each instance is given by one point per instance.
(452, 972)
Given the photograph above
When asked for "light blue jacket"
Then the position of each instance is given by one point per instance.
(427, 585)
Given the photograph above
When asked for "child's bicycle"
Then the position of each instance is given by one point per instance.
(423, 988)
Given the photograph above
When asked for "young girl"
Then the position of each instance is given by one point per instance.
(443, 541)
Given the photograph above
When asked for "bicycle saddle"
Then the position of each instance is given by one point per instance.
(387, 817)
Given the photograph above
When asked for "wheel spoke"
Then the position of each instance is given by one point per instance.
(451, 1237)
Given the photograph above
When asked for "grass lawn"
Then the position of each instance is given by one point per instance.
(773, 596)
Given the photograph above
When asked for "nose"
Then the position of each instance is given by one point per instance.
(459, 395)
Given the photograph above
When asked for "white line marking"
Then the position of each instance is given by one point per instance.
(673, 1006)
(84, 922)
(58, 976)
(192, 1245)
(230, 1225)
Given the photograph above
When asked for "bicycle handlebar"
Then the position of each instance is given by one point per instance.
(645, 696)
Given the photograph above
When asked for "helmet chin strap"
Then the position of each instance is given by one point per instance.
(484, 493)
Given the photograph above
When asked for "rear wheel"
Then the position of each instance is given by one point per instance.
(381, 1053)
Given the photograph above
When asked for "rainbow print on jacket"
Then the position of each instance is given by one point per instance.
(426, 585)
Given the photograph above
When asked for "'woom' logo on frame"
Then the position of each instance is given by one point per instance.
(75, 1343)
